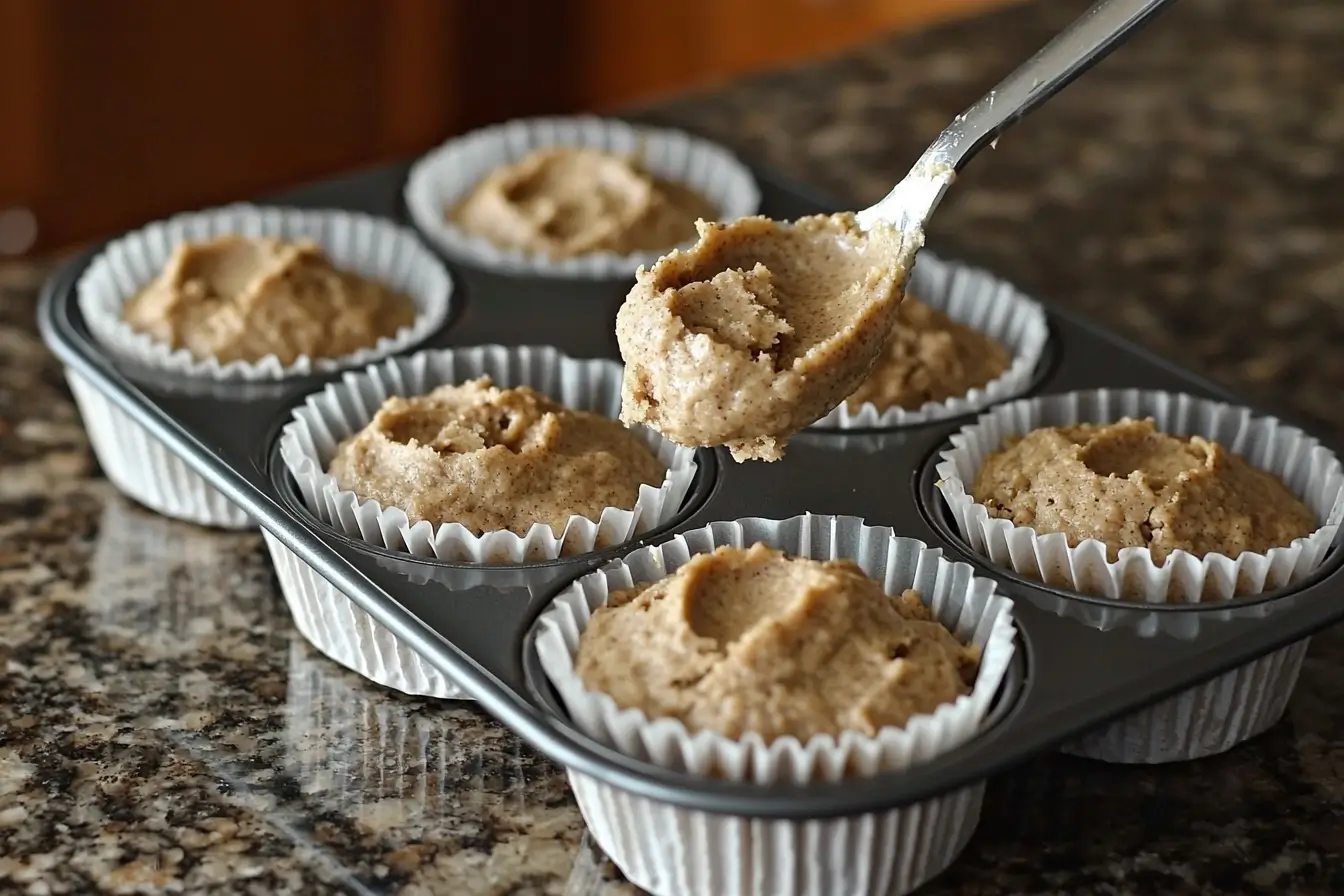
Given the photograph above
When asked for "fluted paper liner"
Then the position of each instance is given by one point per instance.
(1205, 720)
(668, 850)
(1308, 469)
(341, 630)
(444, 177)
(983, 302)
(137, 463)
(341, 410)
(1214, 716)
(377, 249)
(143, 469)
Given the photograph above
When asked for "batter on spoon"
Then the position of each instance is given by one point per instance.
(759, 329)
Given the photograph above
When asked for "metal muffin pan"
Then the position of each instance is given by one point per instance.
(473, 623)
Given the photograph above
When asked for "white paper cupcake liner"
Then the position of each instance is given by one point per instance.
(1205, 720)
(338, 628)
(671, 850)
(445, 176)
(138, 464)
(1219, 714)
(309, 441)
(144, 470)
(983, 302)
(370, 246)
(1310, 471)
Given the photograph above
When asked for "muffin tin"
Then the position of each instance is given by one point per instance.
(475, 624)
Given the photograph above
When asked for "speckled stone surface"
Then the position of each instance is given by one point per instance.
(163, 729)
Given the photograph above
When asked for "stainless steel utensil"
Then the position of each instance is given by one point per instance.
(1073, 51)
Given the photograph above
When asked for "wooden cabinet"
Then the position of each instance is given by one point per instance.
(638, 49)
(114, 112)
(117, 111)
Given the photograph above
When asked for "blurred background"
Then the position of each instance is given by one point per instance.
(114, 112)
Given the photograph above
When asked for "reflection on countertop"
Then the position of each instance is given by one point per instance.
(192, 739)
(163, 728)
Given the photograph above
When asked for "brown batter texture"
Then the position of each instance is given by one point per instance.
(562, 202)
(494, 459)
(753, 640)
(1128, 485)
(930, 357)
(758, 330)
(241, 299)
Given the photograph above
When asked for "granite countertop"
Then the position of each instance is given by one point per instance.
(164, 729)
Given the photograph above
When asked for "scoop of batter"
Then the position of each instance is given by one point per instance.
(758, 330)
(564, 201)
(1128, 485)
(753, 640)
(241, 299)
(494, 459)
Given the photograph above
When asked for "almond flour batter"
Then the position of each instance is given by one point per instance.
(930, 357)
(241, 299)
(562, 202)
(753, 640)
(494, 459)
(1127, 485)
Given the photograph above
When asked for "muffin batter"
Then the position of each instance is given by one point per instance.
(494, 459)
(753, 640)
(241, 299)
(1127, 485)
(562, 202)
(758, 330)
(930, 357)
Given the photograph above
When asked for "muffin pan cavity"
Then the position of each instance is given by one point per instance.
(307, 441)
(1212, 716)
(445, 176)
(921, 840)
(1108, 679)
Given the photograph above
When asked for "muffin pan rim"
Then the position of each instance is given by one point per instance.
(353, 569)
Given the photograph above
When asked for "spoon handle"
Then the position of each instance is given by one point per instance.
(1093, 35)
(1073, 51)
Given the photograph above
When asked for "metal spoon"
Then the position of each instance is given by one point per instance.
(1073, 51)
